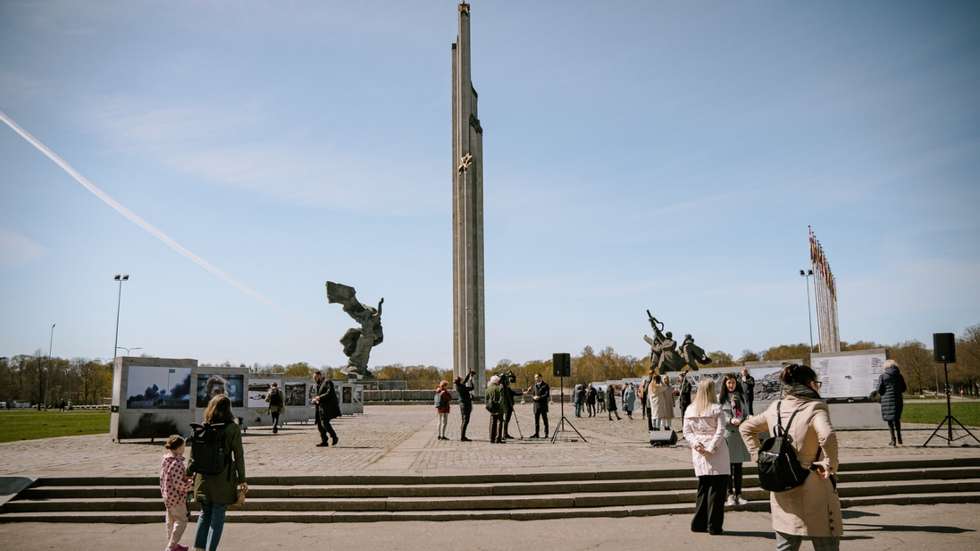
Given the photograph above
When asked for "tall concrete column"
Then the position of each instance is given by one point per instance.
(468, 317)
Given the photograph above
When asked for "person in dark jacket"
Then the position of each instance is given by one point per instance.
(685, 393)
(327, 408)
(747, 383)
(890, 388)
(464, 388)
(579, 394)
(214, 493)
(507, 394)
(611, 402)
(541, 395)
(590, 398)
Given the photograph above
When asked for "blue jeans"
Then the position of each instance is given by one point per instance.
(209, 526)
(578, 409)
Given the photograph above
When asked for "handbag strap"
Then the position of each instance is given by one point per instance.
(780, 431)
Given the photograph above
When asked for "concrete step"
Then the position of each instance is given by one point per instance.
(516, 478)
(46, 491)
(474, 503)
(440, 516)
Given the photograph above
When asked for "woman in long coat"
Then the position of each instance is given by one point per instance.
(611, 402)
(811, 510)
(629, 398)
(704, 429)
(735, 411)
(661, 403)
(890, 388)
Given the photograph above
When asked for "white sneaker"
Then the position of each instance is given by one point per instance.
(741, 500)
(730, 502)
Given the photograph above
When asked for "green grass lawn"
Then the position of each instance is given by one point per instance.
(30, 424)
(967, 413)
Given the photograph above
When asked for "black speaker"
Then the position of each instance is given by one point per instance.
(665, 437)
(562, 362)
(944, 348)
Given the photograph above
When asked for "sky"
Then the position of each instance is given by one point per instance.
(661, 155)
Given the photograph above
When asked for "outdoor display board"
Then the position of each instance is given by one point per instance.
(156, 387)
(849, 375)
(258, 389)
(151, 397)
(210, 384)
(766, 375)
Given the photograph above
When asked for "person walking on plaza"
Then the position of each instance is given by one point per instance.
(890, 388)
(579, 399)
(611, 402)
(747, 382)
(442, 400)
(811, 510)
(276, 405)
(541, 395)
(684, 397)
(493, 403)
(704, 429)
(600, 400)
(327, 408)
(629, 398)
(174, 486)
(464, 389)
(661, 403)
(590, 399)
(216, 492)
(733, 407)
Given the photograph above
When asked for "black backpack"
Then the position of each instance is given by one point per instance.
(779, 468)
(275, 398)
(208, 453)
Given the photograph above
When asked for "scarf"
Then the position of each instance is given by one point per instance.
(801, 391)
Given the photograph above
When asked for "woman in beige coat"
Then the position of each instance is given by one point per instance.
(661, 403)
(812, 510)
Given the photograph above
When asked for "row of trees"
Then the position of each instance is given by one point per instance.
(41, 380)
(38, 379)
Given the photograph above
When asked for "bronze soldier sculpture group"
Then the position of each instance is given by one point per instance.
(664, 355)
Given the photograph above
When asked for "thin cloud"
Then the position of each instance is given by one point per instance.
(17, 249)
(131, 216)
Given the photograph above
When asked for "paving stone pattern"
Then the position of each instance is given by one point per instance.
(402, 440)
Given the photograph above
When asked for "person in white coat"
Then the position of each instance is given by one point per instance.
(704, 430)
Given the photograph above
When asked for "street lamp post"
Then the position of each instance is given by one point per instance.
(115, 345)
(129, 348)
(48, 369)
(809, 316)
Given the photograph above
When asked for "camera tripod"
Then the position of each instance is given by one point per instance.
(560, 426)
(949, 419)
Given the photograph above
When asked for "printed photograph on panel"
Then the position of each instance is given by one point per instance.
(211, 385)
(258, 389)
(150, 387)
(295, 394)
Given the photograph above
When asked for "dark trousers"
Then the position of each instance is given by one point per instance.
(590, 406)
(464, 418)
(649, 417)
(323, 425)
(505, 425)
(496, 430)
(895, 428)
(709, 516)
(275, 421)
(735, 480)
(748, 406)
(538, 417)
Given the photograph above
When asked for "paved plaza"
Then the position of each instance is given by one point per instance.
(877, 528)
(402, 440)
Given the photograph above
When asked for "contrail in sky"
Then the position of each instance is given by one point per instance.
(132, 216)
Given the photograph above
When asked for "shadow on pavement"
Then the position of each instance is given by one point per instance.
(849, 526)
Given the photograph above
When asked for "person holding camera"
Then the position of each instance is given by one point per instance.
(541, 395)
(507, 394)
(464, 388)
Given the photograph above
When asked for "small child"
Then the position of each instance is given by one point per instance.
(174, 486)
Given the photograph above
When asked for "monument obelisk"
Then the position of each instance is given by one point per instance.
(468, 330)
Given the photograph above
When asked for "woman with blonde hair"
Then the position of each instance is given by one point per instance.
(704, 430)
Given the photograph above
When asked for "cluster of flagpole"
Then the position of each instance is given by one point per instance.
(825, 290)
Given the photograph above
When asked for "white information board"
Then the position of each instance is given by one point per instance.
(849, 374)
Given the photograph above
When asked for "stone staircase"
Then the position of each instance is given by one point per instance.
(457, 497)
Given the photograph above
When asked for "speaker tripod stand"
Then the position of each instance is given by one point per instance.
(560, 426)
(949, 419)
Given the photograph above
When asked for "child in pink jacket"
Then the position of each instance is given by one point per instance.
(174, 486)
